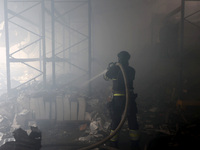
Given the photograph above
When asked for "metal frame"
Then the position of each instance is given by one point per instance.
(55, 16)
(183, 19)
(9, 58)
(182, 37)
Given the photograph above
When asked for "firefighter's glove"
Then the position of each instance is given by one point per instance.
(110, 65)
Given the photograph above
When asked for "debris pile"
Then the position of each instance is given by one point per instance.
(187, 137)
(23, 141)
(157, 116)
(99, 121)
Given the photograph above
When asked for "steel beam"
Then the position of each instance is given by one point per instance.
(53, 43)
(89, 46)
(7, 46)
(181, 48)
(43, 43)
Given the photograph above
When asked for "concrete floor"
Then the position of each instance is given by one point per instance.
(66, 138)
(70, 143)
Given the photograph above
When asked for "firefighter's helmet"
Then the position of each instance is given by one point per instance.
(124, 55)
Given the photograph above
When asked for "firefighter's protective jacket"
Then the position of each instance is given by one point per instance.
(114, 73)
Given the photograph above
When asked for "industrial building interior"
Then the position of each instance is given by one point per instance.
(53, 57)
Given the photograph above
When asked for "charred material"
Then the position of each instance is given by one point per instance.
(23, 141)
(187, 137)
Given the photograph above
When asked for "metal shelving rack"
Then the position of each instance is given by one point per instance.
(182, 35)
(59, 33)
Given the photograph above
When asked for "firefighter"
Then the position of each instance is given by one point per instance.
(117, 104)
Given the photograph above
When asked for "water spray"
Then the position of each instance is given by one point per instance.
(95, 77)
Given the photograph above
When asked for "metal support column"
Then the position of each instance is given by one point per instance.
(43, 43)
(181, 47)
(53, 43)
(7, 46)
(89, 45)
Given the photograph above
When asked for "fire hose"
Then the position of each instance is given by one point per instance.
(123, 115)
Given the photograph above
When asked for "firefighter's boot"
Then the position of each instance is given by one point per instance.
(134, 136)
(114, 140)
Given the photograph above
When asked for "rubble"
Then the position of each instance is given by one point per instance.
(156, 117)
(23, 141)
(187, 137)
(99, 125)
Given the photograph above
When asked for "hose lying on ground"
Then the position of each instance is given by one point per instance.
(123, 115)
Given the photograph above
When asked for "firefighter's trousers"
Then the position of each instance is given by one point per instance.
(117, 109)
